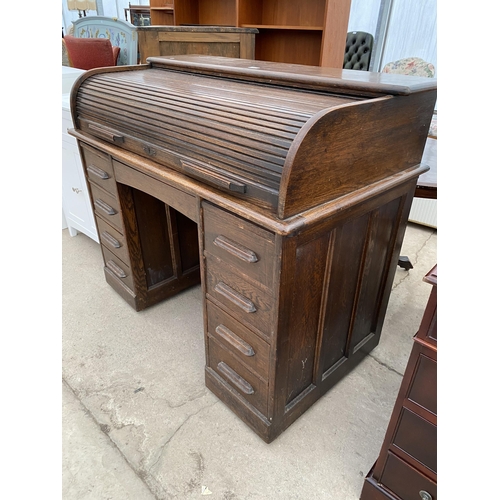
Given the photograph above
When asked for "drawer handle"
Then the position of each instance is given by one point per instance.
(424, 495)
(236, 379)
(236, 249)
(112, 241)
(214, 177)
(107, 209)
(107, 134)
(235, 341)
(115, 269)
(99, 172)
(236, 298)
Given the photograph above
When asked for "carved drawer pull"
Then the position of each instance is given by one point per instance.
(236, 379)
(235, 341)
(236, 298)
(115, 269)
(112, 241)
(107, 134)
(99, 172)
(214, 177)
(107, 209)
(236, 249)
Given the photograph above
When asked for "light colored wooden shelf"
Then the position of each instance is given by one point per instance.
(282, 27)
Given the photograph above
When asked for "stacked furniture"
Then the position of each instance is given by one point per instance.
(282, 188)
(407, 465)
(291, 31)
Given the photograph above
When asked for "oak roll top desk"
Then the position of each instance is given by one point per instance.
(283, 189)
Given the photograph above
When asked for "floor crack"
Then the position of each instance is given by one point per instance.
(385, 365)
(87, 411)
(162, 449)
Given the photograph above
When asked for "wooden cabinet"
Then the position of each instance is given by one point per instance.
(290, 31)
(77, 210)
(207, 40)
(264, 183)
(162, 12)
(407, 465)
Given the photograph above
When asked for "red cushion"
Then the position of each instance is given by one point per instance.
(89, 53)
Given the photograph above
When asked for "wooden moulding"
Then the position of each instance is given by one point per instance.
(366, 130)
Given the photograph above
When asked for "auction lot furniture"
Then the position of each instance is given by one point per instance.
(291, 31)
(283, 188)
(205, 40)
(407, 465)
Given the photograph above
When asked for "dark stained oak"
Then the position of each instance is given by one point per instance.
(284, 189)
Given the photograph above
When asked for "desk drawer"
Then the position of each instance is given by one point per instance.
(107, 207)
(246, 302)
(113, 240)
(247, 247)
(251, 387)
(418, 438)
(405, 481)
(118, 268)
(423, 387)
(99, 169)
(244, 344)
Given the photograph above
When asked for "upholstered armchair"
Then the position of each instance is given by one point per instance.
(414, 66)
(358, 50)
(89, 53)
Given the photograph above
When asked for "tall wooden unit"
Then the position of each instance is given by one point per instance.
(311, 32)
(284, 188)
(162, 12)
(406, 468)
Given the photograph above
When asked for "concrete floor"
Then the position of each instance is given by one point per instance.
(139, 423)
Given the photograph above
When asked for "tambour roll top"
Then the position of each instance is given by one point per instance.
(239, 127)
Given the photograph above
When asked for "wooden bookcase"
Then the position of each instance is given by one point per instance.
(162, 12)
(311, 32)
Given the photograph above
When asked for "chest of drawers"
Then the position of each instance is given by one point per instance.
(262, 182)
(407, 464)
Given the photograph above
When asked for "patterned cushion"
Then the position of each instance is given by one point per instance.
(413, 66)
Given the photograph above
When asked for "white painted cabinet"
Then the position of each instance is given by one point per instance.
(77, 209)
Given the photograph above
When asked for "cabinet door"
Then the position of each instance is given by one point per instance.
(75, 196)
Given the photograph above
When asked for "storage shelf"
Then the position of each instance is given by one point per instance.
(295, 31)
(282, 27)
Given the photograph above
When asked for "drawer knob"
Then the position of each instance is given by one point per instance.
(424, 495)
(115, 269)
(235, 341)
(236, 379)
(214, 177)
(236, 249)
(98, 172)
(107, 134)
(112, 241)
(107, 209)
(236, 298)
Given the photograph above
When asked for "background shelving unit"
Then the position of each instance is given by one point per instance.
(309, 32)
